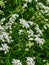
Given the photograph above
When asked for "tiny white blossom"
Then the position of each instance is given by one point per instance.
(41, 5)
(3, 19)
(28, 1)
(30, 61)
(20, 31)
(30, 33)
(31, 23)
(5, 48)
(25, 5)
(36, 0)
(24, 23)
(16, 62)
(45, 9)
(14, 16)
(31, 39)
(38, 30)
(39, 40)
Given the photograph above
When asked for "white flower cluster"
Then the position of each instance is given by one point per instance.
(45, 9)
(5, 48)
(11, 21)
(2, 20)
(30, 34)
(30, 61)
(13, 18)
(31, 29)
(4, 36)
(24, 23)
(36, 0)
(38, 30)
(16, 62)
(37, 36)
(25, 5)
(20, 31)
(39, 40)
(30, 22)
(28, 1)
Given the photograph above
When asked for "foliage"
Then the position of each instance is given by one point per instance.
(24, 32)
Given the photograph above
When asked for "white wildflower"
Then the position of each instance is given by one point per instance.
(36, 0)
(24, 23)
(28, 1)
(20, 31)
(3, 19)
(41, 5)
(31, 39)
(4, 48)
(25, 5)
(38, 30)
(30, 61)
(15, 15)
(16, 62)
(31, 23)
(4, 36)
(39, 40)
(45, 9)
(13, 18)
(30, 33)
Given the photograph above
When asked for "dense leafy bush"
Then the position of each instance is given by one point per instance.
(24, 32)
